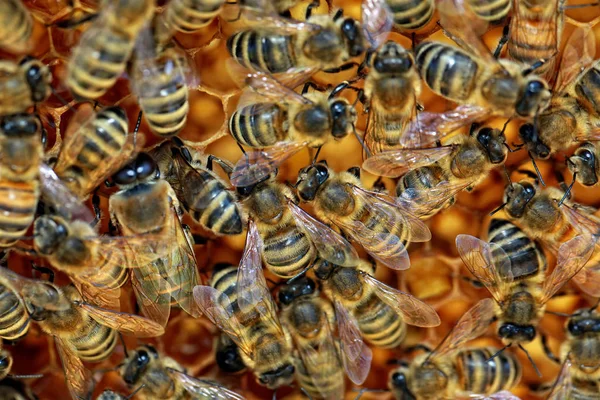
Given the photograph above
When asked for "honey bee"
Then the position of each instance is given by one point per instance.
(14, 320)
(284, 122)
(202, 193)
(382, 228)
(583, 164)
(453, 370)
(22, 151)
(431, 177)
(163, 378)
(240, 304)
(95, 146)
(23, 85)
(147, 205)
(578, 378)
(106, 46)
(309, 319)
(17, 27)
(517, 283)
(186, 16)
(291, 239)
(227, 355)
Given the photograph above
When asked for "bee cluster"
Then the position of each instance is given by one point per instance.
(212, 199)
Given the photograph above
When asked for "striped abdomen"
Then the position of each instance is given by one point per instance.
(526, 258)
(588, 88)
(481, 375)
(16, 26)
(94, 342)
(115, 276)
(447, 70)
(18, 203)
(259, 125)
(379, 323)
(191, 15)
(330, 379)
(411, 14)
(491, 10)
(210, 203)
(97, 62)
(262, 50)
(14, 320)
(421, 180)
(287, 251)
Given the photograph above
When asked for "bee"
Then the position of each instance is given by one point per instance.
(95, 146)
(383, 228)
(453, 370)
(227, 355)
(17, 27)
(309, 319)
(202, 193)
(240, 304)
(431, 177)
(291, 239)
(22, 151)
(23, 85)
(583, 164)
(14, 320)
(186, 16)
(147, 205)
(106, 46)
(284, 122)
(513, 269)
(163, 378)
(578, 378)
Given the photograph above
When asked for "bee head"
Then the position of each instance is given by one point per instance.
(229, 360)
(49, 232)
(142, 169)
(245, 191)
(347, 282)
(584, 163)
(393, 59)
(282, 376)
(42, 299)
(323, 269)
(511, 332)
(493, 141)
(6, 362)
(310, 180)
(582, 323)
(530, 136)
(138, 362)
(38, 78)
(20, 125)
(534, 98)
(303, 286)
(343, 116)
(398, 383)
(517, 196)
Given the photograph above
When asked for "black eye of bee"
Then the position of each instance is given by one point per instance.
(484, 136)
(142, 358)
(399, 380)
(4, 362)
(349, 28)
(535, 87)
(528, 190)
(574, 328)
(125, 175)
(145, 166)
(587, 156)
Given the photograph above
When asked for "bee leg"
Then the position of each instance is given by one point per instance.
(343, 67)
(354, 171)
(97, 211)
(309, 85)
(548, 350)
(536, 65)
(44, 270)
(503, 39)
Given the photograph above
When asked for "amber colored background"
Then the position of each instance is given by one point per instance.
(435, 274)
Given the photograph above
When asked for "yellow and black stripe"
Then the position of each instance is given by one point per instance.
(16, 26)
(411, 14)
(14, 320)
(262, 50)
(481, 374)
(259, 125)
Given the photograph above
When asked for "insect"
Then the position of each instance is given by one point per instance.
(104, 49)
(240, 304)
(17, 27)
(202, 193)
(431, 177)
(291, 239)
(578, 378)
(14, 320)
(163, 378)
(583, 164)
(520, 289)
(23, 85)
(310, 319)
(95, 146)
(186, 16)
(382, 228)
(284, 122)
(227, 355)
(147, 205)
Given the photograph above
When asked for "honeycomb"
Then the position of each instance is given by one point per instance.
(436, 272)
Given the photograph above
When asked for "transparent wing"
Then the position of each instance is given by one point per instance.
(588, 280)
(153, 293)
(421, 203)
(413, 311)
(291, 78)
(203, 387)
(57, 194)
(503, 395)
(485, 260)
(255, 166)
(124, 322)
(577, 57)
(376, 20)
(77, 376)
(330, 245)
(582, 221)
(104, 297)
(564, 383)
(379, 127)
(190, 177)
(395, 163)
(268, 87)
(471, 325)
(84, 115)
(571, 258)
(356, 355)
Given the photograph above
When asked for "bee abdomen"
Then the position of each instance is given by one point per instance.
(109, 136)
(379, 324)
(265, 52)
(14, 321)
(411, 14)
(258, 125)
(191, 15)
(529, 48)
(330, 379)
(588, 88)
(288, 252)
(491, 10)
(222, 215)
(17, 26)
(95, 343)
(18, 202)
(483, 375)
(447, 70)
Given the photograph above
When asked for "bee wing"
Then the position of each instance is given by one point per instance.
(421, 203)
(377, 21)
(356, 355)
(563, 384)
(503, 395)
(478, 257)
(13, 280)
(124, 322)
(203, 388)
(578, 56)
(100, 296)
(395, 163)
(270, 89)
(330, 245)
(471, 325)
(77, 376)
(429, 127)
(588, 280)
(582, 221)
(255, 166)
(189, 176)
(291, 78)
(263, 16)
(413, 311)
(571, 258)
(57, 194)
(71, 139)
(152, 293)
(216, 306)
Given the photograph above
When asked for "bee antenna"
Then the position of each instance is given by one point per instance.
(496, 354)
(135, 391)
(592, 308)
(537, 371)
(567, 194)
(316, 157)
(574, 6)
(304, 392)
(31, 376)
(361, 141)
(367, 390)
(560, 314)
(124, 345)
(497, 209)
(60, 98)
(537, 170)
(505, 125)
